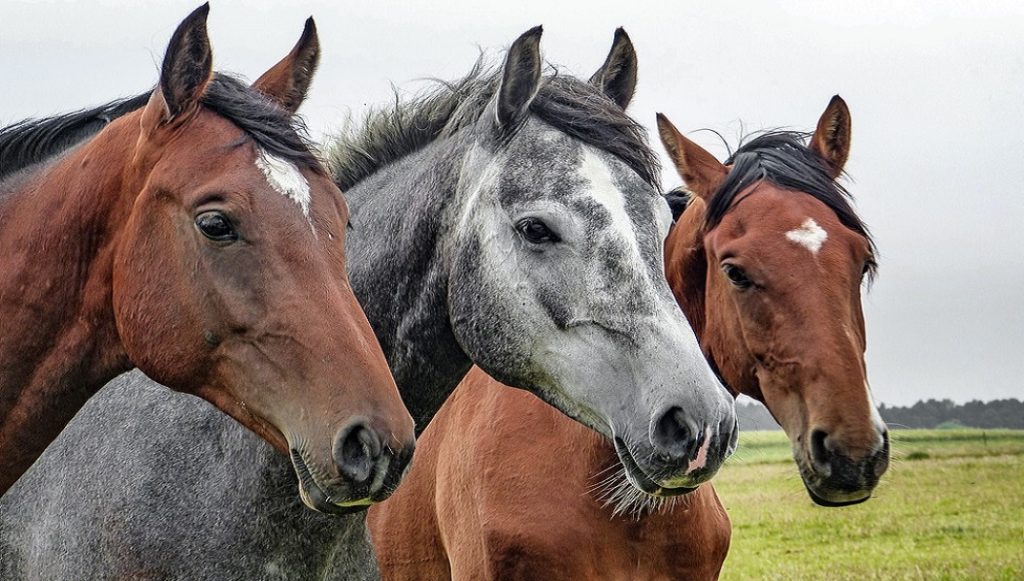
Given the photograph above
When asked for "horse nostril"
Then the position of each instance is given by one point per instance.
(673, 435)
(819, 449)
(356, 452)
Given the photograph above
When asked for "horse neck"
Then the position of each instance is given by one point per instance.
(398, 264)
(59, 342)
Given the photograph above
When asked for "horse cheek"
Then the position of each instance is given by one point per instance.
(156, 319)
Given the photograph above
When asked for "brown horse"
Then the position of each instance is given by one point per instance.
(199, 239)
(767, 262)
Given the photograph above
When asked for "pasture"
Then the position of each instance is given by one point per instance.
(951, 506)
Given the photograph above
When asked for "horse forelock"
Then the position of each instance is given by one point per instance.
(275, 130)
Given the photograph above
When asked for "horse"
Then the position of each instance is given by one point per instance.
(767, 261)
(198, 239)
(511, 219)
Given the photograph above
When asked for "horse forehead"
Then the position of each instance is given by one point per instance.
(546, 164)
(818, 233)
(627, 197)
(769, 215)
(541, 164)
(218, 137)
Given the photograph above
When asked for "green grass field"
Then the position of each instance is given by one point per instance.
(951, 506)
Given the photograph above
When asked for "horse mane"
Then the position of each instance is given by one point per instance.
(566, 103)
(782, 158)
(33, 141)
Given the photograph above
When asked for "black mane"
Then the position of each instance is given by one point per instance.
(35, 140)
(568, 104)
(783, 159)
(678, 199)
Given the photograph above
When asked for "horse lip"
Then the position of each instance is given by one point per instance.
(638, 478)
(818, 488)
(314, 497)
(821, 501)
(847, 498)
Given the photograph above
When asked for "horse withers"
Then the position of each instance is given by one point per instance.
(489, 506)
(199, 239)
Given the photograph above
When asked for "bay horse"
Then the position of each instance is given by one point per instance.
(197, 238)
(767, 262)
(510, 219)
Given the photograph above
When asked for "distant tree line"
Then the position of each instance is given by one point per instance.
(932, 413)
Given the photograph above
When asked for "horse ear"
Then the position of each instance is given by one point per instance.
(287, 82)
(698, 168)
(831, 139)
(617, 76)
(520, 79)
(186, 70)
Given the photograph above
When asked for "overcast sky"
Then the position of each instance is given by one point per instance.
(936, 90)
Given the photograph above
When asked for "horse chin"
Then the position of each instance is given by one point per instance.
(314, 497)
(837, 499)
(640, 480)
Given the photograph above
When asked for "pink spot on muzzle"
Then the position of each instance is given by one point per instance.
(702, 454)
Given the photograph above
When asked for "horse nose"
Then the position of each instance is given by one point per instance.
(829, 459)
(675, 435)
(357, 451)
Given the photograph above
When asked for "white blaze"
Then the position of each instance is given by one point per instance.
(603, 189)
(809, 235)
(286, 179)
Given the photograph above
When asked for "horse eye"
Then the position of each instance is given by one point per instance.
(737, 277)
(216, 227)
(535, 231)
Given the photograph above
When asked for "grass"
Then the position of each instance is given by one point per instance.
(950, 507)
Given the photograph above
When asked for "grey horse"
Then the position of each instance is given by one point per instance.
(510, 219)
